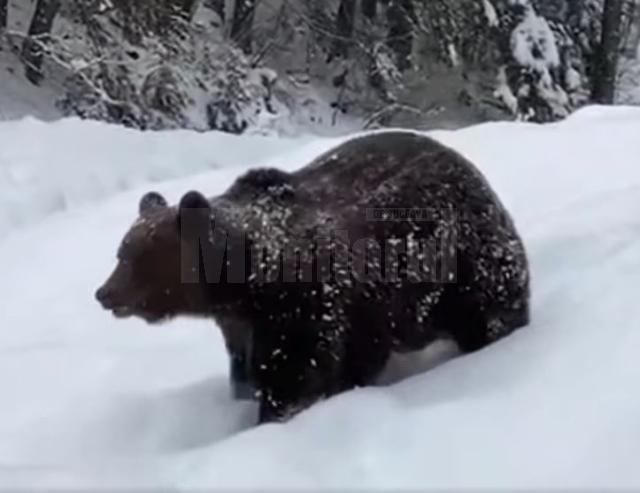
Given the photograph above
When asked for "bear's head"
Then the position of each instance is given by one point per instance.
(157, 275)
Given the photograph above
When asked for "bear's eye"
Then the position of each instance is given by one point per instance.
(125, 253)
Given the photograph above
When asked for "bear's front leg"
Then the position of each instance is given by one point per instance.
(239, 378)
(273, 409)
(295, 366)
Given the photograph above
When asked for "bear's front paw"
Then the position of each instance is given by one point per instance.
(273, 410)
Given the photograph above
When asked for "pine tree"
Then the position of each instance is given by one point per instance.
(140, 18)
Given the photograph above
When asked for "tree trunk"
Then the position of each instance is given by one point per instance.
(3, 14)
(32, 52)
(400, 37)
(630, 23)
(369, 8)
(345, 23)
(608, 52)
(242, 24)
(218, 7)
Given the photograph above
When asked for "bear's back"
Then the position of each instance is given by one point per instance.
(394, 169)
(339, 189)
(356, 167)
(362, 167)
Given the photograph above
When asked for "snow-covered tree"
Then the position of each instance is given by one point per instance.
(536, 76)
(161, 71)
(239, 64)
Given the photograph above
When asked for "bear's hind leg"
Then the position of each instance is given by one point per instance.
(490, 296)
(474, 323)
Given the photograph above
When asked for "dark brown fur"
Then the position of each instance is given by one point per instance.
(302, 341)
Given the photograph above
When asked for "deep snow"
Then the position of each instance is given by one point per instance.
(90, 401)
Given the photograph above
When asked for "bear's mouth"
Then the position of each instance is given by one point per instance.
(128, 311)
(154, 319)
(122, 311)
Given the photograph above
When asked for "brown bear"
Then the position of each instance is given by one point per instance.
(381, 245)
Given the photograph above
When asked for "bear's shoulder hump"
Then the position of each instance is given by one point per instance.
(270, 182)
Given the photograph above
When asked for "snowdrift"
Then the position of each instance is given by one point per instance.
(54, 167)
(89, 401)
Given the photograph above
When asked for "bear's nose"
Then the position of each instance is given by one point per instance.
(103, 295)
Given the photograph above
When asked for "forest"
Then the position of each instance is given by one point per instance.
(282, 65)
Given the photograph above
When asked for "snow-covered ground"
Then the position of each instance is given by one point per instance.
(89, 401)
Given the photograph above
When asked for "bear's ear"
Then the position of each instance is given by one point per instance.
(194, 207)
(194, 200)
(150, 202)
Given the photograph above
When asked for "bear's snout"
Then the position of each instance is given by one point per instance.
(108, 299)
(104, 296)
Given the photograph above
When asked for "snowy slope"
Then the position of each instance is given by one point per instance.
(48, 168)
(91, 401)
